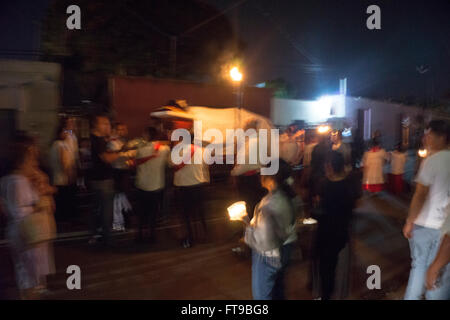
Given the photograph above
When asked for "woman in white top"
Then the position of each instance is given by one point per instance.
(63, 166)
(24, 192)
(373, 162)
(271, 234)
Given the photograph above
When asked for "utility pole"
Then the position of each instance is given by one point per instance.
(173, 56)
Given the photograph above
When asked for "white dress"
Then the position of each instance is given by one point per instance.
(30, 263)
(373, 162)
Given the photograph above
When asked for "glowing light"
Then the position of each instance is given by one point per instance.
(422, 153)
(347, 132)
(237, 211)
(235, 74)
(326, 101)
(323, 129)
(309, 221)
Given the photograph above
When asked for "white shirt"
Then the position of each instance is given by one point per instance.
(373, 162)
(150, 175)
(250, 145)
(434, 173)
(59, 175)
(72, 143)
(398, 160)
(192, 174)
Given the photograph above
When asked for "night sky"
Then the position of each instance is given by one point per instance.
(311, 43)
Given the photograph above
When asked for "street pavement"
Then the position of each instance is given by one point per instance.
(210, 270)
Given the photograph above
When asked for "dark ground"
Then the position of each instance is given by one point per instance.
(210, 270)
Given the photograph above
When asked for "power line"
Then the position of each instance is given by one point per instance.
(298, 47)
(201, 24)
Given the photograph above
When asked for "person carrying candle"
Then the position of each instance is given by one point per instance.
(271, 234)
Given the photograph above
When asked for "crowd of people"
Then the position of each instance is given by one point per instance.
(334, 176)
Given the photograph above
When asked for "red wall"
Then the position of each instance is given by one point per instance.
(133, 98)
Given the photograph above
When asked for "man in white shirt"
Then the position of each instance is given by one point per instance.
(428, 213)
(151, 161)
(190, 179)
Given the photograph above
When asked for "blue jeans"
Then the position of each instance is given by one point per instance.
(424, 246)
(268, 274)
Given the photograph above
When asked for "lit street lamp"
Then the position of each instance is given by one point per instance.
(236, 77)
(235, 74)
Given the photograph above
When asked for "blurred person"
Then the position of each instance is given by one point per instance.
(190, 180)
(398, 160)
(291, 145)
(318, 159)
(316, 180)
(151, 162)
(442, 260)
(101, 177)
(27, 200)
(72, 140)
(63, 168)
(372, 163)
(427, 214)
(85, 161)
(337, 200)
(247, 175)
(357, 148)
(271, 234)
(121, 174)
(339, 146)
(310, 144)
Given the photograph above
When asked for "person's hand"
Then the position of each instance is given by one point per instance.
(246, 220)
(431, 277)
(407, 229)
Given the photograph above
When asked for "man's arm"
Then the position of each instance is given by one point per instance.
(420, 195)
(442, 259)
(109, 157)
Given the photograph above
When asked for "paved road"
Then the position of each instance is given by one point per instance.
(210, 270)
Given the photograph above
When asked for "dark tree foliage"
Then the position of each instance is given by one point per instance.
(282, 89)
(133, 37)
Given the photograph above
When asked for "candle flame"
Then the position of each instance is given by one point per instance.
(323, 129)
(423, 153)
(237, 210)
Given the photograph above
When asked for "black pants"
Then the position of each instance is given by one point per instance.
(250, 191)
(122, 180)
(103, 191)
(192, 205)
(327, 272)
(65, 202)
(149, 205)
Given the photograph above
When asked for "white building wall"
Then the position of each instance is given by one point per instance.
(285, 111)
